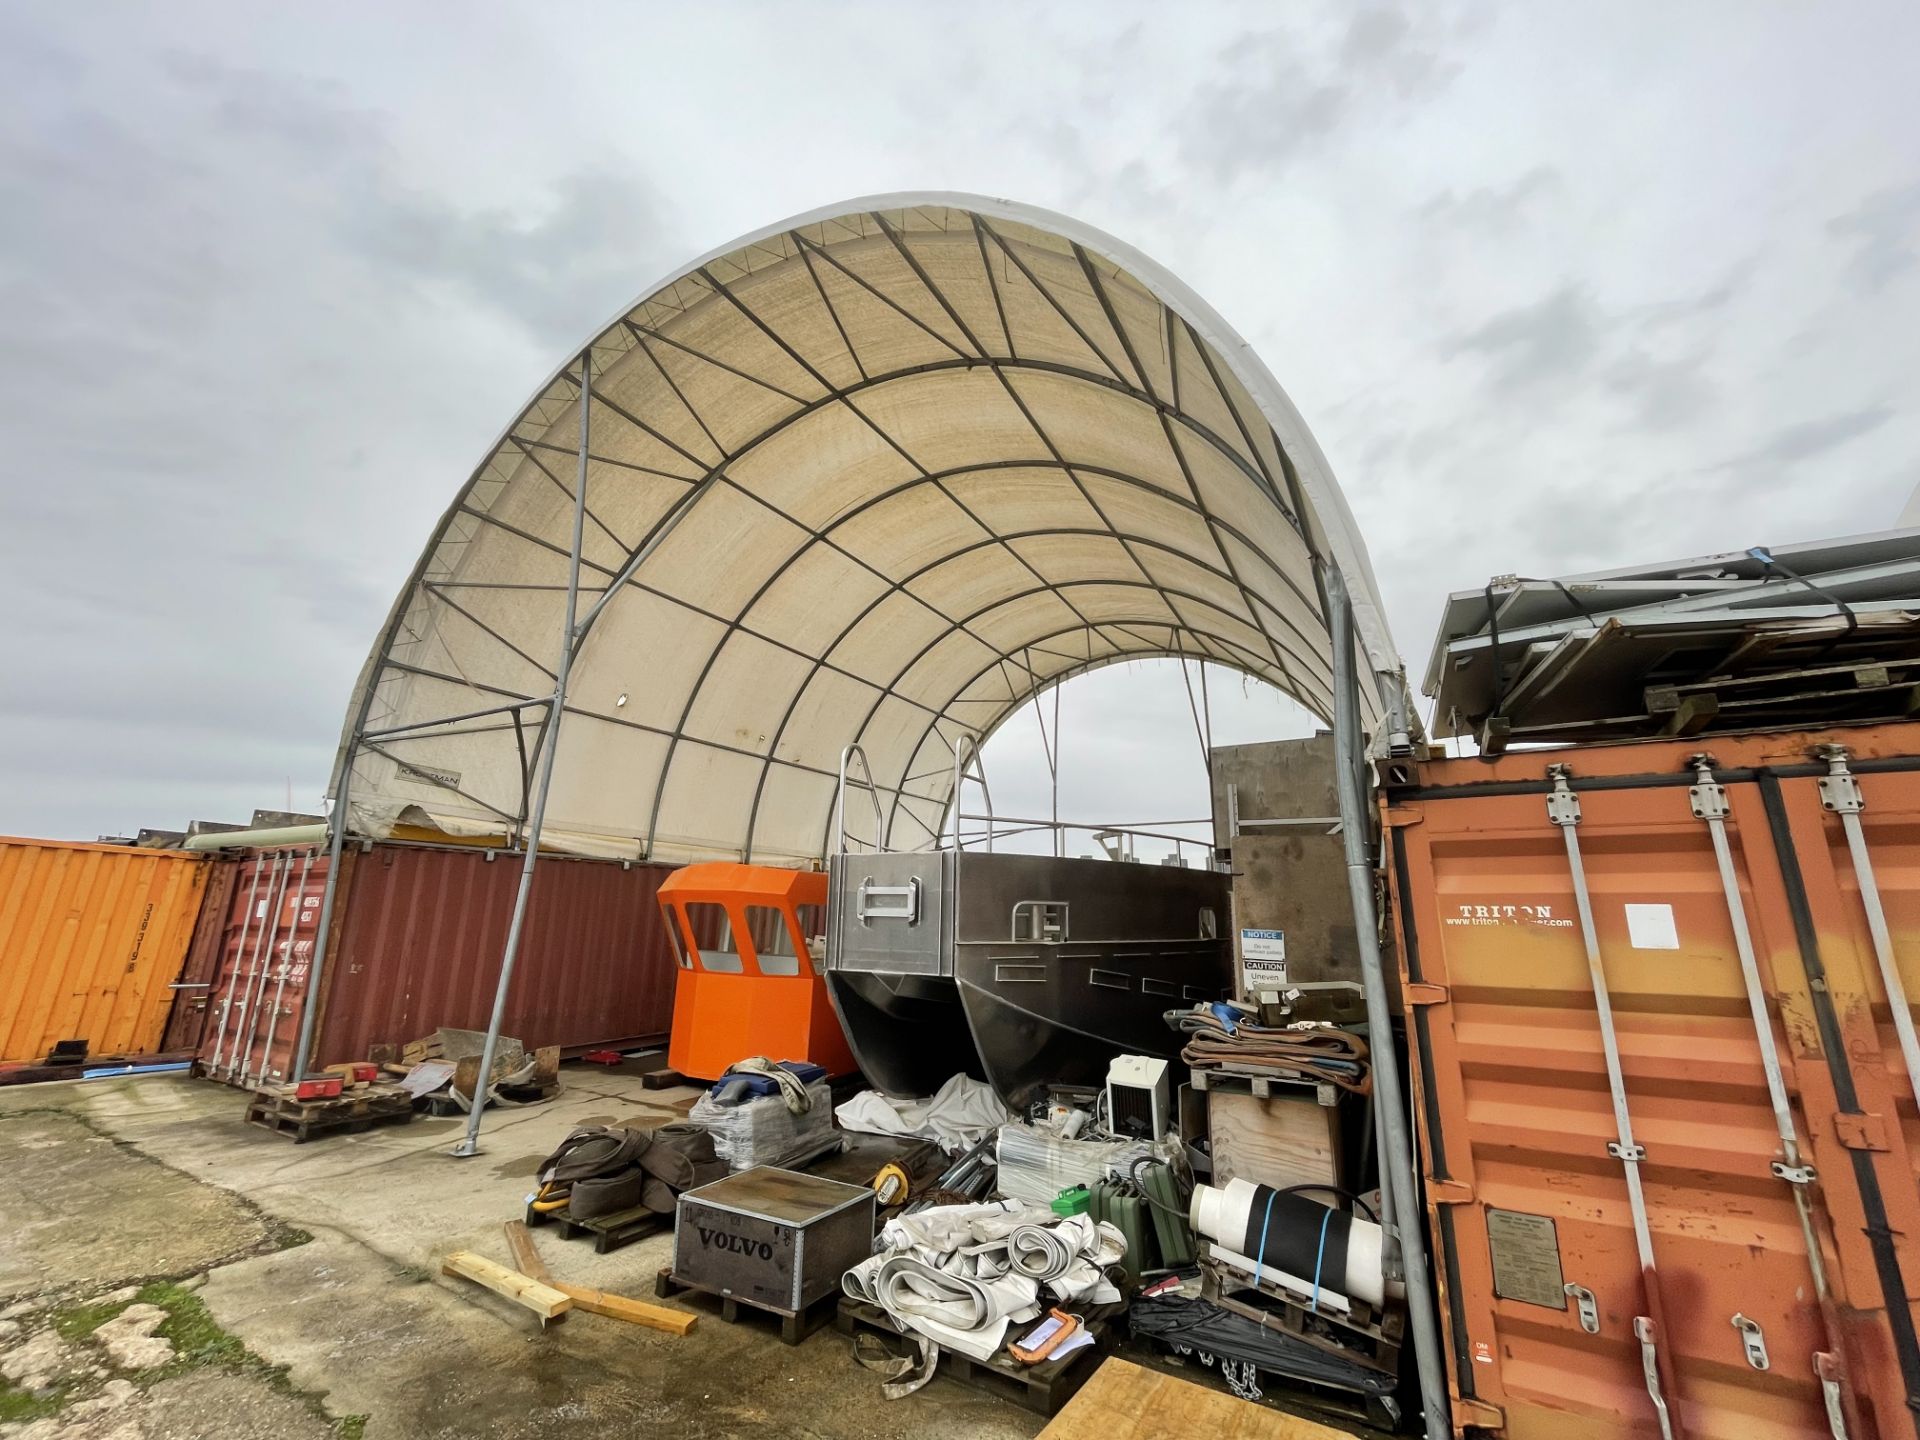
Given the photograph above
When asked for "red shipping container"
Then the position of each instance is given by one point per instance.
(417, 937)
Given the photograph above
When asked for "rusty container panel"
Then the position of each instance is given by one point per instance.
(1541, 1284)
(200, 972)
(92, 937)
(416, 943)
(425, 928)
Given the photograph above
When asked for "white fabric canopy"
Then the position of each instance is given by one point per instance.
(903, 463)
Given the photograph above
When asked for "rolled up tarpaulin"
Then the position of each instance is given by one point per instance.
(1041, 1252)
(1329, 1248)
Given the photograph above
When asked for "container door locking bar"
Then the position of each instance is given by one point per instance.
(1840, 793)
(1563, 809)
(1709, 801)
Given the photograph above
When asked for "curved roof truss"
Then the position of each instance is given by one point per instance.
(878, 475)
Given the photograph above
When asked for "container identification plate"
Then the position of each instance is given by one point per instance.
(1526, 1258)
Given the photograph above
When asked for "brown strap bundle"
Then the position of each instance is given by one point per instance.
(1315, 1052)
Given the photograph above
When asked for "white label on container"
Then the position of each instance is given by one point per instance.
(1651, 927)
(1263, 960)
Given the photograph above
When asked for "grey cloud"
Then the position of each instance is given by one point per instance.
(214, 277)
(597, 237)
(1716, 299)
(1884, 231)
(1809, 439)
(1664, 394)
(1492, 208)
(1554, 339)
(1281, 92)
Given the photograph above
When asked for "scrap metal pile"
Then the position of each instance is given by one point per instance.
(1812, 634)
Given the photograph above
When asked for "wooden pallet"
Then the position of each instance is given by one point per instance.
(795, 1325)
(1264, 1086)
(1041, 1389)
(1365, 1336)
(609, 1232)
(350, 1113)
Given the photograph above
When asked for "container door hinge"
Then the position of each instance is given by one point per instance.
(1752, 1340)
(1828, 1369)
(1794, 1174)
(1449, 1192)
(1563, 806)
(1477, 1414)
(1633, 1154)
(1586, 1306)
(1860, 1132)
(1420, 993)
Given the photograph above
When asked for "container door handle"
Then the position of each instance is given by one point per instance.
(1648, 1335)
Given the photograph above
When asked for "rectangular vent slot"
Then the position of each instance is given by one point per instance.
(1112, 979)
(1007, 974)
(1150, 986)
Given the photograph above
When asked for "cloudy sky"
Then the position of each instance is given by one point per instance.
(1556, 288)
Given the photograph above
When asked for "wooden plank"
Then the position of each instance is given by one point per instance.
(526, 1255)
(544, 1300)
(1124, 1401)
(1279, 1141)
(619, 1307)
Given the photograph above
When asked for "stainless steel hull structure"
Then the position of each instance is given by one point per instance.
(1020, 970)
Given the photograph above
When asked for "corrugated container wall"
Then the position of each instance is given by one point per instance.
(416, 943)
(1777, 1204)
(91, 939)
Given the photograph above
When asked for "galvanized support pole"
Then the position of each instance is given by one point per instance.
(1396, 1160)
(549, 746)
(310, 1006)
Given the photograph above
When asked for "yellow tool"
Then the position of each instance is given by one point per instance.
(892, 1183)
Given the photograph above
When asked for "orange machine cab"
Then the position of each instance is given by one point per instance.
(747, 985)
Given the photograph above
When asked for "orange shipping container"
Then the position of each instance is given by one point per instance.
(1574, 1308)
(91, 939)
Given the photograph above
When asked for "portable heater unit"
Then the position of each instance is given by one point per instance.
(1139, 1096)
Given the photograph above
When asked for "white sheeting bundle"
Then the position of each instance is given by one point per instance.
(961, 1274)
(960, 1113)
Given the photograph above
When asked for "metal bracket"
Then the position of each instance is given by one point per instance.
(1563, 806)
(1418, 993)
(1752, 1340)
(1863, 1131)
(908, 896)
(1449, 1192)
(1633, 1154)
(1794, 1174)
(1709, 797)
(1586, 1305)
(1841, 794)
(1648, 1334)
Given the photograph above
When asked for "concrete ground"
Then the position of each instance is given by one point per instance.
(168, 1270)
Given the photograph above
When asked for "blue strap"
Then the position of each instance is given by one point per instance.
(1260, 1256)
(1320, 1256)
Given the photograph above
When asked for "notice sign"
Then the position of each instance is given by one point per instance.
(1263, 961)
